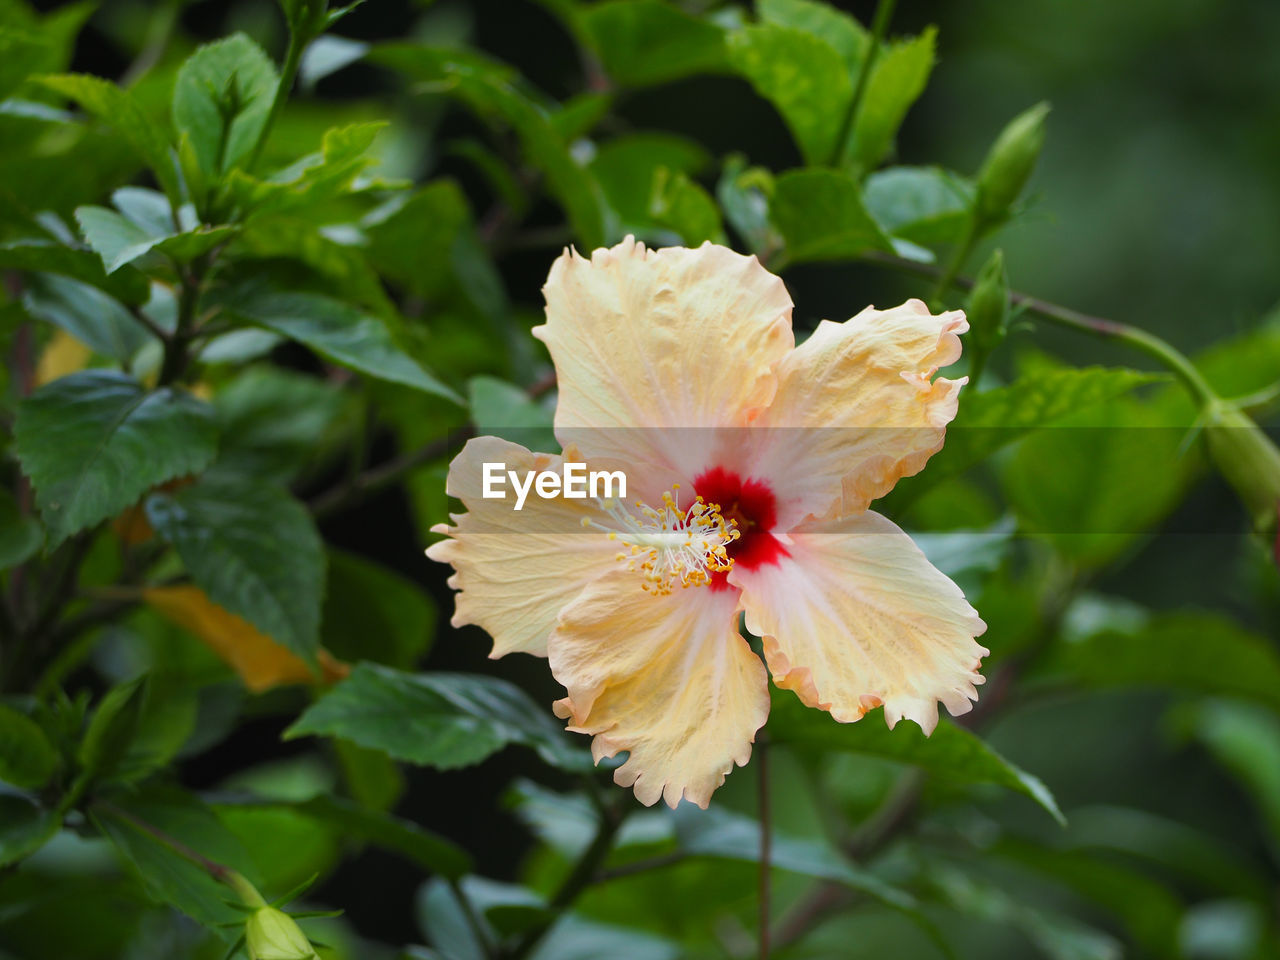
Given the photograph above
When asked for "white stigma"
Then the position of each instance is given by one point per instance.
(668, 545)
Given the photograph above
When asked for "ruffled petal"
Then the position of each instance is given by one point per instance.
(515, 570)
(653, 346)
(857, 407)
(667, 678)
(854, 616)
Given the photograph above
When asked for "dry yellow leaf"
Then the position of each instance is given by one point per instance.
(260, 661)
(63, 354)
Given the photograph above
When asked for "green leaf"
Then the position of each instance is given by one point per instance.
(446, 921)
(803, 77)
(167, 875)
(504, 410)
(720, 833)
(27, 758)
(94, 442)
(395, 834)
(442, 720)
(111, 730)
(834, 27)
(373, 779)
(316, 178)
(275, 422)
(1245, 738)
(820, 215)
(120, 241)
(897, 79)
(372, 612)
(334, 269)
(990, 420)
(253, 549)
(1190, 650)
(166, 722)
(575, 938)
(338, 332)
(743, 195)
(1149, 911)
(20, 534)
(25, 827)
(926, 205)
(644, 42)
(221, 100)
(415, 243)
(32, 44)
(126, 285)
(119, 109)
(86, 313)
(626, 165)
(491, 89)
(1088, 487)
(950, 752)
(684, 206)
(1057, 936)
(116, 240)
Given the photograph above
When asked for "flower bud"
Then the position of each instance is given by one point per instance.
(988, 305)
(1248, 460)
(1009, 163)
(272, 934)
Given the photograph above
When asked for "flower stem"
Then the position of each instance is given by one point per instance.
(298, 41)
(219, 872)
(963, 248)
(879, 25)
(1160, 350)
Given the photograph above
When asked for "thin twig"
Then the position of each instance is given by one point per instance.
(1162, 351)
(642, 866)
(580, 877)
(222, 874)
(384, 475)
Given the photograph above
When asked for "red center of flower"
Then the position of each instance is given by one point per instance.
(751, 504)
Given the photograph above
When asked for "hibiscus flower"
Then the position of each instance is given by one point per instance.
(679, 367)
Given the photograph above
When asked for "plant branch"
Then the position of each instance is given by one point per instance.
(153, 328)
(383, 475)
(642, 866)
(219, 872)
(582, 875)
(176, 346)
(298, 41)
(959, 256)
(879, 25)
(1160, 350)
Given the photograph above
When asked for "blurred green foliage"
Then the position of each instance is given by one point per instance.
(264, 267)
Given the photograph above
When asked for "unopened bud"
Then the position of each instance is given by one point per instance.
(988, 305)
(272, 934)
(1009, 162)
(1248, 460)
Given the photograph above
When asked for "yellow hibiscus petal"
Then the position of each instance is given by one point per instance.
(670, 338)
(854, 616)
(260, 661)
(857, 407)
(514, 570)
(666, 678)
